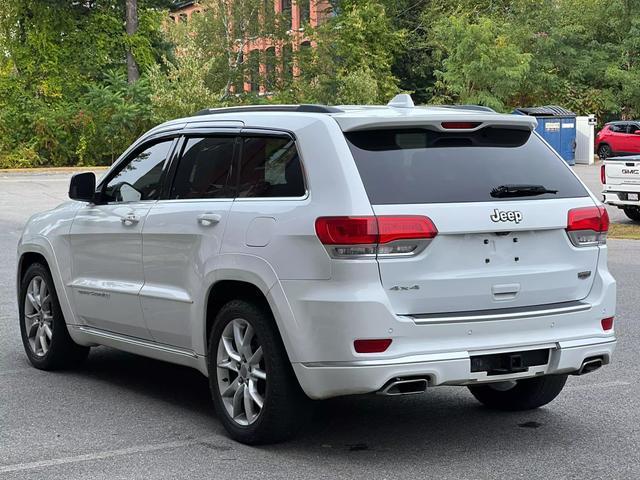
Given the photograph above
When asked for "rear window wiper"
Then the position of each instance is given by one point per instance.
(520, 191)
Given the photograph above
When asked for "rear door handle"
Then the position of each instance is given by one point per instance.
(209, 219)
(130, 219)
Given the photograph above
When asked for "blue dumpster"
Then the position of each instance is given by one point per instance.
(557, 126)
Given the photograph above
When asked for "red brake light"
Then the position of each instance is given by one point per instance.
(375, 235)
(607, 323)
(603, 176)
(459, 125)
(378, 345)
(347, 230)
(588, 218)
(405, 228)
(588, 226)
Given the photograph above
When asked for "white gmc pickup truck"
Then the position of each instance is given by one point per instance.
(620, 177)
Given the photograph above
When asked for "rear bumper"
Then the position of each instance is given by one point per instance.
(620, 198)
(329, 379)
(329, 315)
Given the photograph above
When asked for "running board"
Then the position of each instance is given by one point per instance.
(113, 339)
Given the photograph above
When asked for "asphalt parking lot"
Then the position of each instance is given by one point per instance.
(122, 416)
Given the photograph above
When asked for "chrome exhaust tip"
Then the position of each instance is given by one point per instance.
(590, 365)
(404, 386)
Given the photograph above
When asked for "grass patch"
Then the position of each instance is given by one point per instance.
(626, 231)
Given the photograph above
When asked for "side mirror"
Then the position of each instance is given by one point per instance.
(83, 187)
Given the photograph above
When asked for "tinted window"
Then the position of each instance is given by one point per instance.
(424, 166)
(204, 169)
(270, 167)
(140, 178)
(618, 127)
(632, 127)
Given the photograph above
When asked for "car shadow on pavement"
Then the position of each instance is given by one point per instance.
(160, 381)
(442, 422)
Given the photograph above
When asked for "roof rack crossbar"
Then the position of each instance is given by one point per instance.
(305, 108)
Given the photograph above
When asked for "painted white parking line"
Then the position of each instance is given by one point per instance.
(16, 467)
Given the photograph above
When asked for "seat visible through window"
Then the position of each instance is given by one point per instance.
(204, 169)
(270, 167)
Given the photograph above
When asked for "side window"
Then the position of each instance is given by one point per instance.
(140, 178)
(618, 128)
(632, 127)
(204, 169)
(270, 167)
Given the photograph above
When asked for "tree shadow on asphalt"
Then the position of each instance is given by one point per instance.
(443, 422)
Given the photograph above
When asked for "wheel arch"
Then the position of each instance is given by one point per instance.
(224, 291)
(39, 249)
(601, 144)
(248, 277)
(27, 259)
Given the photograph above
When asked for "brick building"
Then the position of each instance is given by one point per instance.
(269, 61)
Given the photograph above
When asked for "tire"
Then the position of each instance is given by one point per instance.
(268, 377)
(633, 213)
(604, 151)
(525, 395)
(46, 339)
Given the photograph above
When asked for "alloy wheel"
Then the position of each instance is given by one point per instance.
(241, 374)
(38, 316)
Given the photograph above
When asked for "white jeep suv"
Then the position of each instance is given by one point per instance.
(294, 252)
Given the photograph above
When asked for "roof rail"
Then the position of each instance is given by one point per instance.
(478, 108)
(305, 108)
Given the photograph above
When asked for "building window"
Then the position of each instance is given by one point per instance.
(254, 71)
(270, 61)
(304, 7)
(305, 54)
(287, 64)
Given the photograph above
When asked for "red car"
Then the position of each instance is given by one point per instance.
(618, 138)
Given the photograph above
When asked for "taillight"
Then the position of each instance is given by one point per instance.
(459, 125)
(588, 226)
(357, 237)
(377, 345)
(603, 176)
(607, 323)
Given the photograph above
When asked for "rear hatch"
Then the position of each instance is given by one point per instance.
(502, 240)
(622, 171)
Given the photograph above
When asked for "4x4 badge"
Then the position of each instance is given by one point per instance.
(396, 288)
(507, 216)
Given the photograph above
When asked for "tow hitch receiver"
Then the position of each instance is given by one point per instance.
(511, 362)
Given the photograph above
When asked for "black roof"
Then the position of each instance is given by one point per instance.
(546, 111)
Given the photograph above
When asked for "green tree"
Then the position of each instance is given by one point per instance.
(53, 53)
(352, 59)
(211, 61)
(479, 63)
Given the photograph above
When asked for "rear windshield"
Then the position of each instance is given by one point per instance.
(418, 165)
